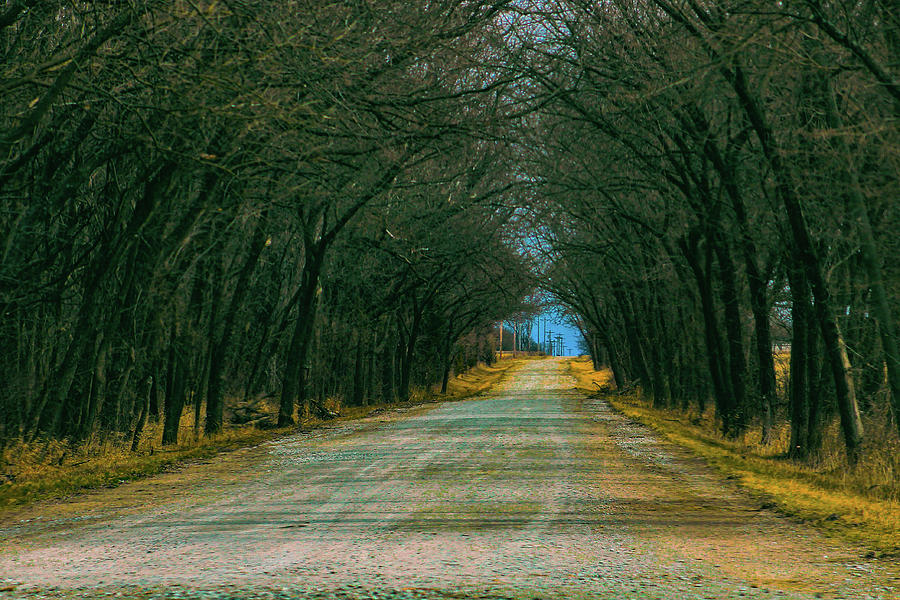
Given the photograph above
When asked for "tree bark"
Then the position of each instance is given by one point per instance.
(851, 423)
(359, 376)
(370, 369)
(293, 388)
(54, 402)
(636, 354)
(714, 354)
(803, 248)
(176, 377)
(801, 321)
(142, 419)
(755, 280)
(859, 215)
(406, 359)
(815, 419)
(215, 404)
(446, 347)
(387, 366)
(737, 404)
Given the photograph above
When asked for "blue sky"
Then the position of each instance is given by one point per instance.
(571, 335)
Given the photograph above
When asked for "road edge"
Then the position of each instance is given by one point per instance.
(785, 488)
(17, 497)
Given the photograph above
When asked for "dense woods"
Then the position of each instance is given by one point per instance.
(718, 180)
(205, 202)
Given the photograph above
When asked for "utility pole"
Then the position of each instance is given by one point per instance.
(501, 341)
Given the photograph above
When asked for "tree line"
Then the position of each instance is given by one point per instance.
(209, 200)
(306, 200)
(714, 178)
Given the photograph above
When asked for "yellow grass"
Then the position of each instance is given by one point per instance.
(482, 378)
(43, 470)
(860, 506)
(55, 469)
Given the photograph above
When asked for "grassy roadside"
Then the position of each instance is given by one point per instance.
(54, 470)
(827, 500)
(480, 379)
(46, 471)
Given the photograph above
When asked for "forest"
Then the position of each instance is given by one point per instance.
(221, 200)
(729, 200)
(206, 201)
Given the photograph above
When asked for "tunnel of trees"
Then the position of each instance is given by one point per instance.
(719, 180)
(212, 200)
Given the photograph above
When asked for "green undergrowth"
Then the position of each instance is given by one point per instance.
(833, 500)
(47, 470)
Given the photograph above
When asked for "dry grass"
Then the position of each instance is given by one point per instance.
(56, 469)
(862, 505)
(474, 382)
(482, 378)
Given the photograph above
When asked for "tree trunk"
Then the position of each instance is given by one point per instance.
(616, 368)
(98, 386)
(216, 285)
(370, 369)
(638, 369)
(293, 388)
(142, 419)
(175, 387)
(446, 347)
(755, 280)
(851, 424)
(406, 354)
(815, 419)
(54, 402)
(661, 351)
(612, 354)
(714, 354)
(737, 405)
(880, 306)
(215, 404)
(801, 322)
(387, 366)
(359, 375)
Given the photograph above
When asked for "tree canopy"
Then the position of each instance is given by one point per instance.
(212, 200)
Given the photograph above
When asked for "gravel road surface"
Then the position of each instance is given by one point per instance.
(531, 492)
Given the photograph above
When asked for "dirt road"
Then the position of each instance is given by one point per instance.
(533, 492)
